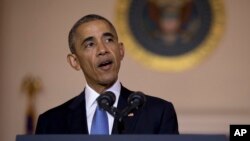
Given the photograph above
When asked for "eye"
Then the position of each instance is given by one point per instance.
(109, 39)
(89, 44)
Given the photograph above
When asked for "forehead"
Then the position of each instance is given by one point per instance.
(94, 28)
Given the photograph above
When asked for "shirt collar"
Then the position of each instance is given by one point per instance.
(91, 95)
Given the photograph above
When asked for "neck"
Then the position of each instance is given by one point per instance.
(100, 88)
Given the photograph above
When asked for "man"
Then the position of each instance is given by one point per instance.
(96, 51)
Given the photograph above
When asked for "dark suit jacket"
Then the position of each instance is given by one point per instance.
(157, 116)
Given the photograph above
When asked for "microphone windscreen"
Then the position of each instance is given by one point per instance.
(137, 99)
(106, 99)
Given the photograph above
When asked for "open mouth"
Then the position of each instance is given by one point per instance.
(105, 65)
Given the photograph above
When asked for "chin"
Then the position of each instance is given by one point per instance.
(108, 81)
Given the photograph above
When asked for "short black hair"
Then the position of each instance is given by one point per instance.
(85, 19)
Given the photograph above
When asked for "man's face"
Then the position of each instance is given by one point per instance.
(98, 54)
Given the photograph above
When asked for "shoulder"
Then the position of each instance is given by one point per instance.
(55, 120)
(61, 110)
(158, 103)
(152, 102)
(163, 113)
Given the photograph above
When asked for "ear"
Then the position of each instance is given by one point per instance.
(73, 61)
(122, 50)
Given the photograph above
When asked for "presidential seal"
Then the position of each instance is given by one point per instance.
(170, 35)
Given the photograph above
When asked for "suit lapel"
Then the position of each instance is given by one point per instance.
(77, 121)
(129, 122)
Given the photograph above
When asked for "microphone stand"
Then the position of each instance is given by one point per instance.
(135, 101)
(121, 115)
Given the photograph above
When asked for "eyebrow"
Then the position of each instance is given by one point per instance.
(109, 34)
(106, 34)
(87, 39)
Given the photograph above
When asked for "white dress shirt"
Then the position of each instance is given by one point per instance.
(91, 103)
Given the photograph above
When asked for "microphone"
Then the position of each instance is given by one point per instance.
(106, 101)
(135, 101)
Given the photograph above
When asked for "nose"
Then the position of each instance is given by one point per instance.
(102, 49)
